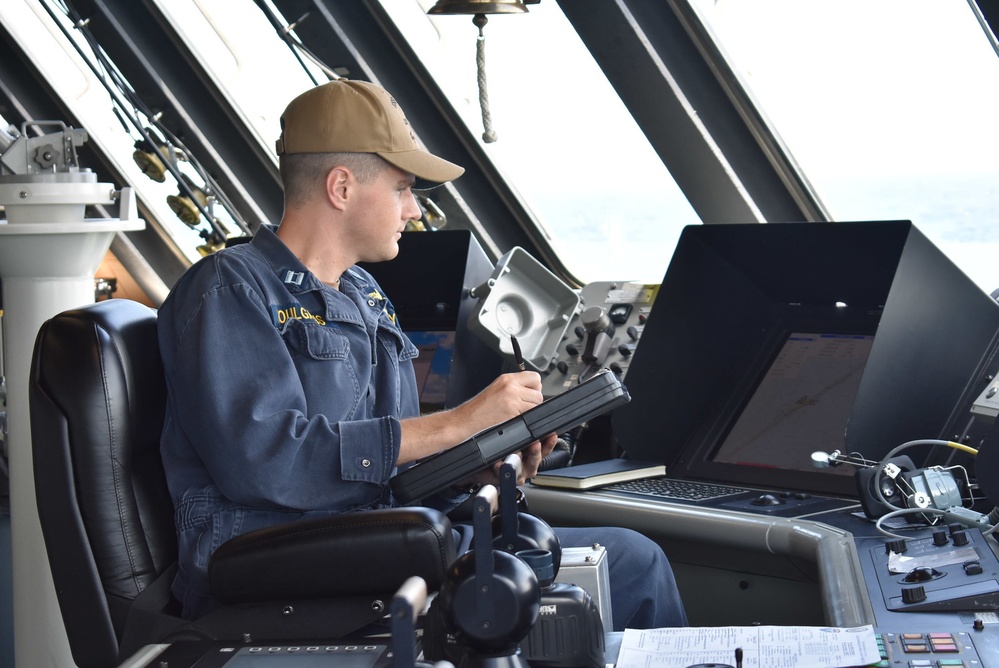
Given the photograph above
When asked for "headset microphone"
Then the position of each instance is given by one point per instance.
(835, 458)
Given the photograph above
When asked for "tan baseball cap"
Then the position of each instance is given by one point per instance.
(359, 117)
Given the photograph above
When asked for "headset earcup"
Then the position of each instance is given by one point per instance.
(514, 595)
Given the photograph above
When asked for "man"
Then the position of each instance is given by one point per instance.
(291, 388)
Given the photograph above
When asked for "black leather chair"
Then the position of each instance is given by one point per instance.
(97, 398)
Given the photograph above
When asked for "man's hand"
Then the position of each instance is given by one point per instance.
(530, 456)
(508, 396)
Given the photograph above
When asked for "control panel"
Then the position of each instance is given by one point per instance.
(953, 570)
(602, 334)
(920, 648)
(366, 653)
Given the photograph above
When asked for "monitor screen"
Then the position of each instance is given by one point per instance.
(800, 405)
(433, 367)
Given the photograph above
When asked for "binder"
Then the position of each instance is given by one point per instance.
(595, 396)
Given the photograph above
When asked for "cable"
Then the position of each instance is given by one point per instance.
(286, 31)
(899, 512)
(929, 441)
(126, 102)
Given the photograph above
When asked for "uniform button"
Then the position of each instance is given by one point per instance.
(365, 463)
(371, 302)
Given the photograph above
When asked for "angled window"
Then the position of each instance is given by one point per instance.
(888, 107)
(565, 142)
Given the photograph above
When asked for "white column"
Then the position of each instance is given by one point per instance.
(48, 256)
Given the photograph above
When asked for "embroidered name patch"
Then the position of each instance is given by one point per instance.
(282, 314)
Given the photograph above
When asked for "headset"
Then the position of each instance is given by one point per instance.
(895, 486)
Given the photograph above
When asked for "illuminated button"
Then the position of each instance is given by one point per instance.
(912, 636)
(951, 662)
(945, 648)
(920, 663)
(916, 648)
(943, 642)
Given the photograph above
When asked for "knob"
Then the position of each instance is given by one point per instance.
(595, 319)
(624, 350)
(616, 368)
(940, 537)
(580, 332)
(897, 546)
(632, 332)
(913, 594)
(960, 537)
(572, 349)
(562, 367)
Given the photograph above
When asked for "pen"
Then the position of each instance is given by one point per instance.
(518, 356)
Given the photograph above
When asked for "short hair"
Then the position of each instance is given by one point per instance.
(304, 174)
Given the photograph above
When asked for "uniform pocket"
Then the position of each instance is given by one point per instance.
(316, 341)
(397, 344)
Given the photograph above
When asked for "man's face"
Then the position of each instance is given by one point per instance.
(380, 213)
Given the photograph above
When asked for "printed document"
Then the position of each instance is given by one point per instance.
(762, 647)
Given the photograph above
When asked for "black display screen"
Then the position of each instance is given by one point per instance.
(433, 367)
(801, 403)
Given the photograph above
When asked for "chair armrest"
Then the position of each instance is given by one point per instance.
(352, 554)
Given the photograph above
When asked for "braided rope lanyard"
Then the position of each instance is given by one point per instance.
(488, 135)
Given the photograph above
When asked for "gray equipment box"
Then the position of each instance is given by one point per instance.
(586, 567)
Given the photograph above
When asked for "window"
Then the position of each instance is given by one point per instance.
(240, 50)
(887, 106)
(566, 143)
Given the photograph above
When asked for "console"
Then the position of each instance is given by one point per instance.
(769, 342)
(603, 333)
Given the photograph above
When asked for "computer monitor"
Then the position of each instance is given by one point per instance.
(800, 404)
(428, 284)
(433, 367)
(769, 342)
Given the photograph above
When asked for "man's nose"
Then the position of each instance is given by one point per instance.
(412, 210)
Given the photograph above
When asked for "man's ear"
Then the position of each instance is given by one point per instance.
(339, 180)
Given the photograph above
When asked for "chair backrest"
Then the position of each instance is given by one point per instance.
(97, 398)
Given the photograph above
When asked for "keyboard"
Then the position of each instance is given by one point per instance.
(680, 490)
